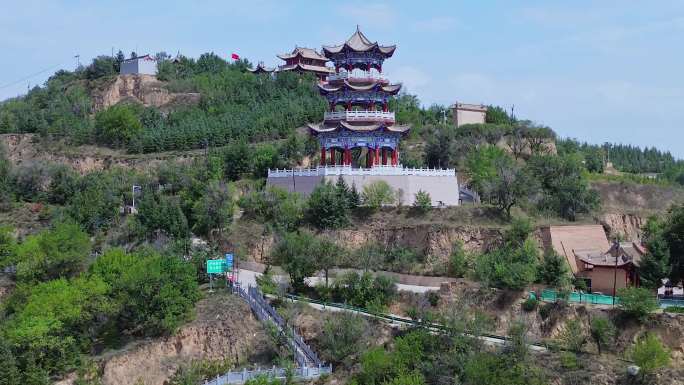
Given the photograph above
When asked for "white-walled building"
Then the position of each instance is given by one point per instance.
(468, 113)
(143, 65)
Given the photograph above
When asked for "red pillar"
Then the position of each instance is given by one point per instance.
(369, 158)
(377, 155)
(395, 156)
(323, 156)
(332, 156)
(384, 157)
(347, 153)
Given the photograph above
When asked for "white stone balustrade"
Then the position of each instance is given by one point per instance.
(364, 77)
(361, 116)
(349, 170)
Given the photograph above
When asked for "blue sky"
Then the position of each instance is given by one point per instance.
(595, 70)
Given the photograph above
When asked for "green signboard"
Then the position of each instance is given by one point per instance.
(216, 266)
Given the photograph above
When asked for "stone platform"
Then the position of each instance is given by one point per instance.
(441, 184)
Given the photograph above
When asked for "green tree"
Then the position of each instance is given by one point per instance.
(155, 294)
(63, 184)
(327, 208)
(57, 321)
(637, 302)
(214, 210)
(117, 125)
(329, 255)
(497, 115)
(377, 194)
(602, 332)
(655, 265)
(649, 354)
(342, 336)
(422, 202)
(100, 67)
(554, 270)
(9, 371)
(54, 253)
(297, 253)
(157, 213)
(674, 236)
(564, 189)
(510, 266)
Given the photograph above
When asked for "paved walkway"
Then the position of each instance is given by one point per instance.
(248, 277)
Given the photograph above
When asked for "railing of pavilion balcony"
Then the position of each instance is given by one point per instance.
(358, 77)
(349, 170)
(361, 116)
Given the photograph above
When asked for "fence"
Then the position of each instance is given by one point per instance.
(349, 170)
(549, 295)
(303, 354)
(239, 377)
(597, 299)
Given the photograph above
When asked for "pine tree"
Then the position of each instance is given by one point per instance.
(9, 373)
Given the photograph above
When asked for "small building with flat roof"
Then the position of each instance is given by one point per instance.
(140, 65)
(465, 113)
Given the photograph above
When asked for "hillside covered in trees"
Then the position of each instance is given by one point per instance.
(87, 277)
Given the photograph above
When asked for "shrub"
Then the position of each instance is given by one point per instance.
(342, 336)
(573, 336)
(602, 331)
(364, 290)
(637, 302)
(569, 360)
(459, 263)
(649, 354)
(378, 194)
(509, 266)
(422, 202)
(433, 298)
(675, 309)
(117, 125)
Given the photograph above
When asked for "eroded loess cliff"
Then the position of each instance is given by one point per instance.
(225, 329)
(143, 89)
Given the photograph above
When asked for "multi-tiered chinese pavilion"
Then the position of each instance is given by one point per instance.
(358, 115)
(359, 137)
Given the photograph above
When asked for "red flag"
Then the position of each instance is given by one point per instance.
(234, 56)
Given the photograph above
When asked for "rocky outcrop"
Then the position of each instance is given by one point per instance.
(143, 89)
(628, 226)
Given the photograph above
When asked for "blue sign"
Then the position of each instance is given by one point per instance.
(229, 261)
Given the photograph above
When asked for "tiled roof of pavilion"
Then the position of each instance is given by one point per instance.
(307, 67)
(261, 68)
(330, 127)
(308, 53)
(391, 88)
(358, 42)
